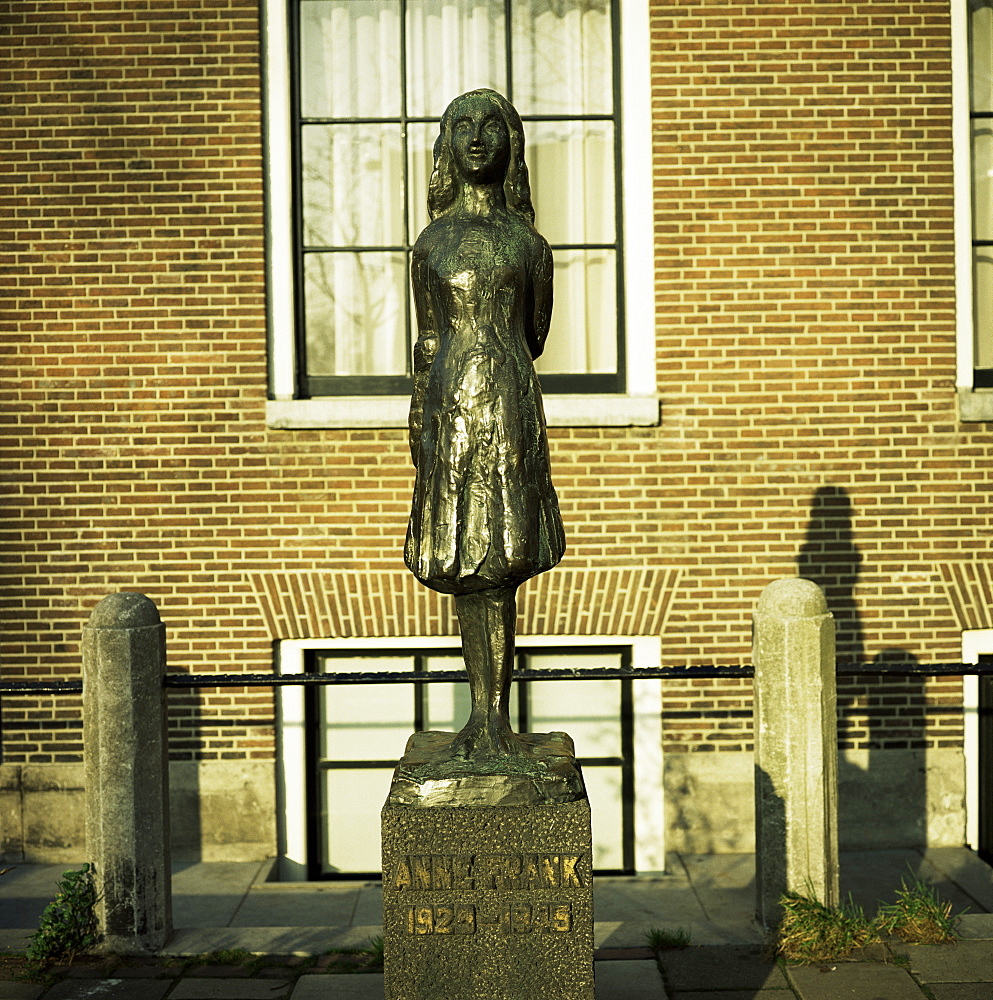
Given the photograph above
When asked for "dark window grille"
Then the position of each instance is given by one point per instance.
(319, 763)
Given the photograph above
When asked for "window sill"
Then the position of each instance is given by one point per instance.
(391, 411)
(975, 404)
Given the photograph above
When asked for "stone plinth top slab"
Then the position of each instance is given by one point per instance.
(427, 776)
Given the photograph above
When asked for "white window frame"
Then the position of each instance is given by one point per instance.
(974, 404)
(646, 696)
(637, 406)
(975, 643)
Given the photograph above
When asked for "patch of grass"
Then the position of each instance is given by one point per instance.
(237, 957)
(15, 965)
(224, 956)
(811, 932)
(667, 938)
(68, 925)
(376, 945)
(918, 916)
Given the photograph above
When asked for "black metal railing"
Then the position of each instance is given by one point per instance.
(984, 667)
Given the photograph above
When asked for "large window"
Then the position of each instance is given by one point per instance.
(981, 122)
(357, 732)
(373, 78)
(338, 744)
(972, 40)
(355, 89)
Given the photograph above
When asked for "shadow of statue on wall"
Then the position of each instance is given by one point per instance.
(882, 797)
(830, 557)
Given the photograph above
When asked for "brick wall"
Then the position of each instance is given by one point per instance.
(806, 356)
(806, 340)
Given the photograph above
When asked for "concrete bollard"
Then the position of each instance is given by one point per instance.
(126, 767)
(796, 747)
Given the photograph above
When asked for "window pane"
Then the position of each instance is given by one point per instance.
(366, 721)
(562, 57)
(350, 59)
(603, 786)
(982, 179)
(571, 166)
(583, 337)
(452, 46)
(982, 55)
(354, 799)
(983, 293)
(420, 163)
(356, 313)
(590, 712)
(447, 705)
(352, 185)
(587, 710)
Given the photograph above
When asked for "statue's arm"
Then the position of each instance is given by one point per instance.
(541, 281)
(425, 349)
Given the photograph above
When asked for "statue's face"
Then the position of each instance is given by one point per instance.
(480, 140)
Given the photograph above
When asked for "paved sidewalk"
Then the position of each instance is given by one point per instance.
(716, 972)
(291, 927)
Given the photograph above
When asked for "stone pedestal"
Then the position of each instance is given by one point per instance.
(493, 898)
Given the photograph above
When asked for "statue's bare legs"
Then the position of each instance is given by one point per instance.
(487, 621)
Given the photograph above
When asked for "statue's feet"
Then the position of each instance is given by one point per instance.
(488, 741)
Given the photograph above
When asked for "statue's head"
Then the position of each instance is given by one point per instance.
(449, 173)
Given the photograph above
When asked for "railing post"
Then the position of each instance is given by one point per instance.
(796, 747)
(126, 768)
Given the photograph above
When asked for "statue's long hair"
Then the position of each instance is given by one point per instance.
(444, 186)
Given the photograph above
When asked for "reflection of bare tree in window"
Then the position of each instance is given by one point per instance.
(353, 198)
(354, 313)
(562, 57)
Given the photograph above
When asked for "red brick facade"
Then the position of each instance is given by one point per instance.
(806, 363)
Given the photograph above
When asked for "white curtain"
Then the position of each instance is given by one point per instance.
(355, 306)
(452, 46)
(562, 57)
(352, 187)
(350, 58)
(583, 336)
(981, 29)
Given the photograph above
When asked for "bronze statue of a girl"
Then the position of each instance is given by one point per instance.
(484, 517)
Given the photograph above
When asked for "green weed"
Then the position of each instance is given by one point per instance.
(918, 916)
(376, 945)
(667, 939)
(812, 932)
(68, 926)
(224, 956)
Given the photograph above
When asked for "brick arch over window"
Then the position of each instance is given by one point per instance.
(614, 601)
(969, 588)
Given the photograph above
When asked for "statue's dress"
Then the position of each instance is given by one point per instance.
(484, 512)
